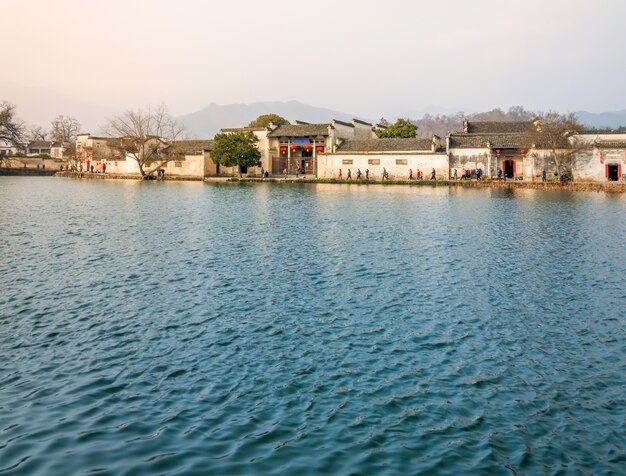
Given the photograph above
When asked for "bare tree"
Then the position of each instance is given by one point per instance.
(554, 132)
(12, 130)
(37, 133)
(64, 128)
(146, 136)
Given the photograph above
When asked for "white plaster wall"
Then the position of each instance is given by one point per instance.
(363, 131)
(470, 159)
(329, 165)
(343, 132)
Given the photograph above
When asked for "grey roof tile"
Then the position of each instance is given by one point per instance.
(483, 127)
(300, 130)
(190, 147)
(386, 145)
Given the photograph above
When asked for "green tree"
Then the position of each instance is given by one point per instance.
(264, 120)
(238, 149)
(403, 128)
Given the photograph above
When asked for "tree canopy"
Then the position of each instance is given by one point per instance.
(238, 149)
(403, 128)
(264, 120)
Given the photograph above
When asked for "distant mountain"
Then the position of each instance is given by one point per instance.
(600, 120)
(208, 121)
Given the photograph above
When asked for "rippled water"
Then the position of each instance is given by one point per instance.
(234, 329)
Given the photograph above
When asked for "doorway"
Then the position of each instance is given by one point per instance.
(508, 167)
(612, 172)
(243, 169)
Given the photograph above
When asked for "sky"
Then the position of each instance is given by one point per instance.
(370, 58)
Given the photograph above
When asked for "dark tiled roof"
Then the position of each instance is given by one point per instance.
(512, 140)
(300, 130)
(478, 141)
(603, 131)
(39, 144)
(359, 121)
(386, 145)
(190, 147)
(243, 129)
(610, 144)
(343, 123)
(483, 127)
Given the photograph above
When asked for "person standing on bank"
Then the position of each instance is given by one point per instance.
(543, 176)
(433, 175)
(410, 174)
(367, 174)
(349, 177)
(455, 174)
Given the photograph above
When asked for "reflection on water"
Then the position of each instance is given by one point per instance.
(194, 328)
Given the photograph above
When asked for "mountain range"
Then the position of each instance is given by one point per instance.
(39, 107)
(209, 120)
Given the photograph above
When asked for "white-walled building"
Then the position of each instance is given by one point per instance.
(398, 157)
(295, 147)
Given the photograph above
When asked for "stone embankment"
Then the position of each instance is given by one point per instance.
(96, 176)
(26, 172)
(612, 187)
(615, 187)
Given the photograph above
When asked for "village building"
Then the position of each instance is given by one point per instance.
(192, 159)
(7, 149)
(330, 150)
(187, 158)
(400, 158)
(603, 158)
(262, 145)
(502, 149)
(489, 147)
(294, 148)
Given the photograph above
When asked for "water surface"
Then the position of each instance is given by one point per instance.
(187, 328)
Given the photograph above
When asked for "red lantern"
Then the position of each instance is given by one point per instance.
(307, 147)
(319, 148)
(283, 150)
(497, 152)
(294, 148)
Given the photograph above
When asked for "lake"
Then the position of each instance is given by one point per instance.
(191, 328)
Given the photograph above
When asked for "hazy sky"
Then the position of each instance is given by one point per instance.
(364, 57)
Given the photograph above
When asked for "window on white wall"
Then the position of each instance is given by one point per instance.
(373, 161)
(347, 161)
(401, 161)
